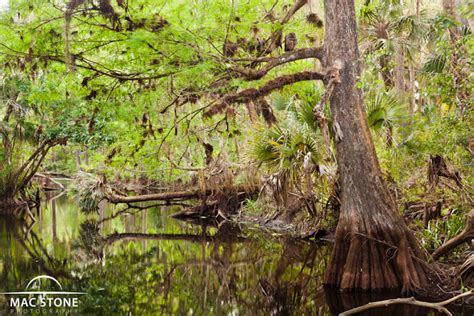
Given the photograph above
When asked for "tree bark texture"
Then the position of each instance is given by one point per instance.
(374, 249)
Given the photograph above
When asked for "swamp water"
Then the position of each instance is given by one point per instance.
(148, 263)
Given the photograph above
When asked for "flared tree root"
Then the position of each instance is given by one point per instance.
(376, 260)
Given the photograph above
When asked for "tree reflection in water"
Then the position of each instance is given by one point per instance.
(148, 263)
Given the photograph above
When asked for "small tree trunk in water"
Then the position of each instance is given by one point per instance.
(374, 249)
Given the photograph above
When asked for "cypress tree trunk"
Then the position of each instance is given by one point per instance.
(374, 249)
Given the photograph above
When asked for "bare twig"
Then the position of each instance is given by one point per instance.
(439, 306)
(41, 175)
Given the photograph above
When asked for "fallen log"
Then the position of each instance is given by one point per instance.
(169, 196)
(465, 236)
(165, 196)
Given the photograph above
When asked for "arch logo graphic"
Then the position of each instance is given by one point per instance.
(36, 297)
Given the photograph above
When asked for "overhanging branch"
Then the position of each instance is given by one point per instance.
(89, 66)
(272, 62)
(247, 95)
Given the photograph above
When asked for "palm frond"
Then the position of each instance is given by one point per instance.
(384, 110)
(305, 116)
(281, 102)
(435, 64)
(283, 150)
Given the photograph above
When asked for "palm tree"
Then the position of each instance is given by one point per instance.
(384, 112)
(392, 35)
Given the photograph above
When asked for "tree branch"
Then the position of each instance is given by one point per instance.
(303, 53)
(409, 301)
(88, 65)
(33, 156)
(36, 164)
(465, 236)
(294, 8)
(275, 37)
(112, 73)
(272, 85)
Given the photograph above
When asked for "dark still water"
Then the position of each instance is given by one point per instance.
(148, 263)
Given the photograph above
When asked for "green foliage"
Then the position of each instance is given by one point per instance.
(388, 30)
(283, 150)
(441, 230)
(385, 110)
(447, 70)
(435, 65)
(139, 75)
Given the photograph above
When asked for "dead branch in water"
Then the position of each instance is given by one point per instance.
(49, 178)
(465, 236)
(439, 306)
(132, 209)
